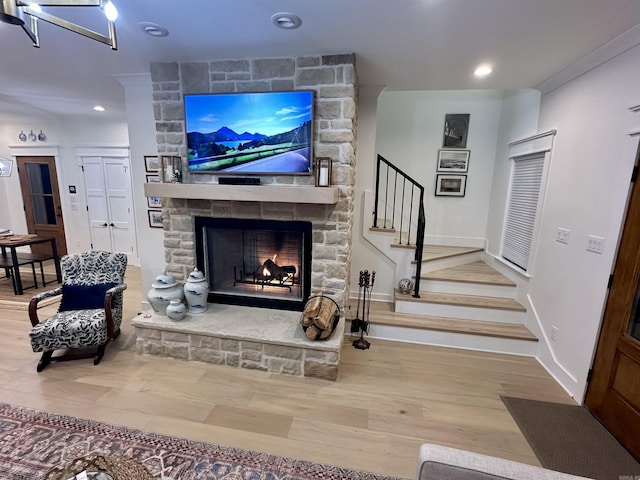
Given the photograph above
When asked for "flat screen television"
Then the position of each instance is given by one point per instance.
(250, 133)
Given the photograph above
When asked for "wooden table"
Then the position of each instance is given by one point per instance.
(12, 242)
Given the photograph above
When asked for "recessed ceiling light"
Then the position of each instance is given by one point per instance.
(99, 108)
(153, 29)
(483, 70)
(285, 20)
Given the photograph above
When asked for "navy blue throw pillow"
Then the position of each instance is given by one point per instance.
(83, 297)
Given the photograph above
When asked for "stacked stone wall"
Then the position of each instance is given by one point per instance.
(334, 80)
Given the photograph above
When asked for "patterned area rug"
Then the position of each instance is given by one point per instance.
(32, 442)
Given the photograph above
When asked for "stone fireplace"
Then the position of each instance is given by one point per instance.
(278, 199)
(262, 263)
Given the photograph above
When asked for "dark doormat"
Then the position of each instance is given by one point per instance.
(569, 439)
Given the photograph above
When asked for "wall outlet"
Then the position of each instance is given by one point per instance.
(562, 235)
(554, 333)
(595, 244)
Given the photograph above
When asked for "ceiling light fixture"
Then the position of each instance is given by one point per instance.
(285, 20)
(13, 12)
(483, 70)
(153, 29)
(99, 108)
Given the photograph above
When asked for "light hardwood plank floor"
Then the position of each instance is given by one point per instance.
(387, 401)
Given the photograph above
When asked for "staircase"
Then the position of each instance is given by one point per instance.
(457, 300)
(463, 303)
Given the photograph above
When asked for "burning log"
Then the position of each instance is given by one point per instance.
(270, 270)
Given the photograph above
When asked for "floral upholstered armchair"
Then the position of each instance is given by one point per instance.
(90, 311)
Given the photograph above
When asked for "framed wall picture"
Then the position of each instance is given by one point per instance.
(456, 129)
(451, 185)
(155, 218)
(453, 161)
(170, 169)
(5, 167)
(154, 202)
(151, 163)
(153, 179)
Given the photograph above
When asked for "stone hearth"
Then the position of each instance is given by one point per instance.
(263, 339)
(270, 340)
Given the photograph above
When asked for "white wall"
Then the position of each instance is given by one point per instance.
(142, 133)
(518, 120)
(65, 134)
(591, 166)
(409, 133)
(365, 256)
(407, 128)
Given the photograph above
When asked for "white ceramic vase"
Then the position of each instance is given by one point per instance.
(176, 309)
(196, 291)
(164, 289)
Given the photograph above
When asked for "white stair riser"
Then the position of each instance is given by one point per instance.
(479, 289)
(456, 311)
(448, 262)
(449, 339)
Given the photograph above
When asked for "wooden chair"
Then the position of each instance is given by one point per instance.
(90, 310)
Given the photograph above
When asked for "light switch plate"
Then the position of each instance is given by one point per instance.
(562, 235)
(595, 244)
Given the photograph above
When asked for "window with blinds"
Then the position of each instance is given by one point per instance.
(522, 208)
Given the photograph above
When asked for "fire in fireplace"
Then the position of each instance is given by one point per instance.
(262, 263)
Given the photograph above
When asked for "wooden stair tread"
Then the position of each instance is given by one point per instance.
(434, 252)
(477, 272)
(382, 313)
(463, 300)
(404, 245)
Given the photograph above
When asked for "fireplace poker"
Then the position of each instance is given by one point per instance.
(365, 285)
(365, 278)
(355, 323)
(373, 280)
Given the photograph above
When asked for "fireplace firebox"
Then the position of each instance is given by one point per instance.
(258, 263)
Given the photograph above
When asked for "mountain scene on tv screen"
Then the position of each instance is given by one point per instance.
(230, 151)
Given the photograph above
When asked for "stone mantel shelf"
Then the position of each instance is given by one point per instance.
(244, 193)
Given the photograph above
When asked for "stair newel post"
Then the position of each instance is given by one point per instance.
(419, 244)
(375, 205)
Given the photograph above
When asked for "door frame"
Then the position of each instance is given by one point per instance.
(56, 229)
(45, 151)
(611, 337)
(109, 151)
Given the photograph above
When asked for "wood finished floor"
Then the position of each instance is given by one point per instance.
(386, 402)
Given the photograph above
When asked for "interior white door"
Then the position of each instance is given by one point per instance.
(110, 205)
(97, 206)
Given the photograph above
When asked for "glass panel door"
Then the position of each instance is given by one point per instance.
(42, 201)
(633, 329)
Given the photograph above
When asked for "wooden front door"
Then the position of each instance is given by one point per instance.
(41, 197)
(614, 392)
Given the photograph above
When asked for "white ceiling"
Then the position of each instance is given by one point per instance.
(400, 44)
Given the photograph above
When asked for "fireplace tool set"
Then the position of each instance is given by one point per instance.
(365, 284)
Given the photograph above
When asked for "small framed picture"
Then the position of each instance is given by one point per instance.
(151, 163)
(154, 202)
(155, 218)
(5, 167)
(456, 129)
(451, 185)
(153, 179)
(453, 161)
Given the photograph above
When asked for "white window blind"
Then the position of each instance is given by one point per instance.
(522, 208)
